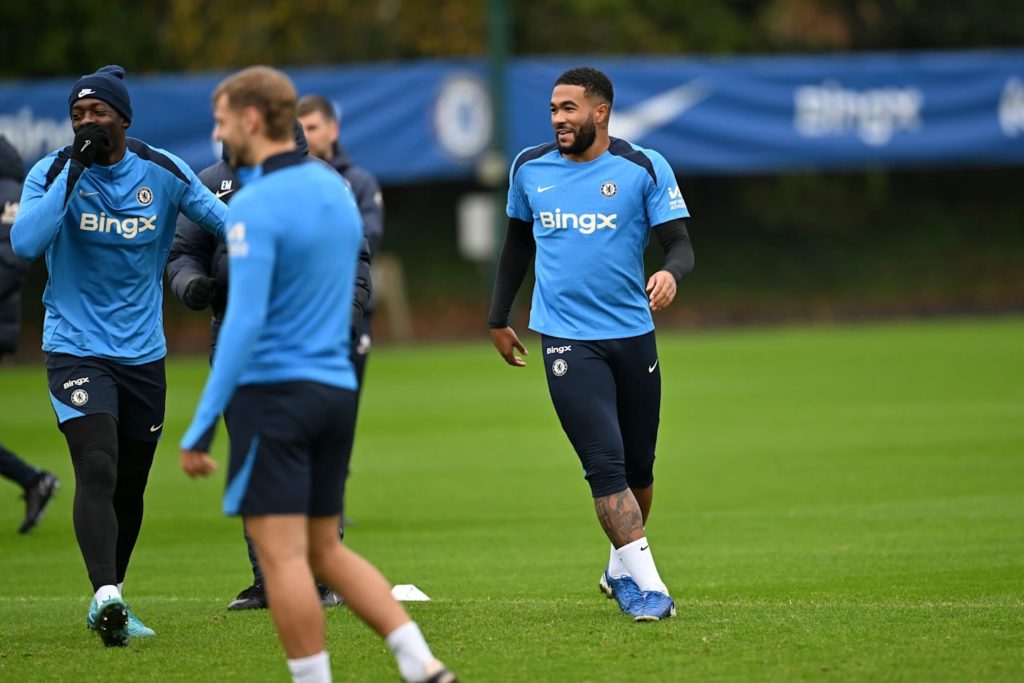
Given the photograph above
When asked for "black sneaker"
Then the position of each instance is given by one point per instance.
(328, 598)
(253, 597)
(37, 497)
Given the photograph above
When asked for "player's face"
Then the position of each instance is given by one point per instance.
(91, 110)
(320, 134)
(229, 128)
(574, 119)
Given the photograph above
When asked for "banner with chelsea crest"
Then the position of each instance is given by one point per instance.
(433, 120)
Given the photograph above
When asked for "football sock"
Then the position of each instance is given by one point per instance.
(312, 669)
(411, 651)
(616, 569)
(104, 593)
(637, 558)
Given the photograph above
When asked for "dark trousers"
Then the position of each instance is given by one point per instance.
(17, 470)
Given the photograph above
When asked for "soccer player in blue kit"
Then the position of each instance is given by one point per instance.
(584, 206)
(103, 210)
(283, 363)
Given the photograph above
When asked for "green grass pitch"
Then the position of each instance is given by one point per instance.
(833, 504)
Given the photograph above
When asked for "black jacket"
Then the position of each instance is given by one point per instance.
(13, 270)
(368, 195)
(195, 252)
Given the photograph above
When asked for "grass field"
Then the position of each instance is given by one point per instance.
(834, 504)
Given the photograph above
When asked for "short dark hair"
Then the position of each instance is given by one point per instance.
(592, 81)
(311, 103)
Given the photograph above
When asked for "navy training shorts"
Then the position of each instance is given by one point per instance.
(607, 395)
(290, 449)
(135, 395)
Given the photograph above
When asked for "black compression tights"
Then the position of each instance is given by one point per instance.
(110, 478)
(134, 460)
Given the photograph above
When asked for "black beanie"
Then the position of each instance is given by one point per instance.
(107, 84)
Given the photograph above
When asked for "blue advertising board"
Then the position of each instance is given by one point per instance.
(432, 120)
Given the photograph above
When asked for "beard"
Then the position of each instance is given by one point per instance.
(582, 140)
(235, 159)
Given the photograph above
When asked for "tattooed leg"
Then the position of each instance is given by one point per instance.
(644, 498)
(620, 517)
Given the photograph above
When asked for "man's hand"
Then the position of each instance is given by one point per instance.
(199, 292)
(507, 343)
(91, 140)
(197, 463)
(662, 289)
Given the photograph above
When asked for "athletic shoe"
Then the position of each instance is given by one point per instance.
(623, 589)
(253, 597)
(437, 673)
(655, 607)
(37, 496)
(110, 620)
(328, 598)
(136, 629)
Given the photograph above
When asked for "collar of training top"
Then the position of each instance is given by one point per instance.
(276, 162)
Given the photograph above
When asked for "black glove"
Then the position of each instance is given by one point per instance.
(199, 292)
(91, 141)
(356, 324)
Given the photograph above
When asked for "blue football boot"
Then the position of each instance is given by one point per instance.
(623, 589)
(655, 607)
(136, 629)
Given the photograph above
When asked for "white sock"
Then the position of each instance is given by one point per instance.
(637, 558)
(616, 569)
(106, 592)
(411, 651)
(312, 669)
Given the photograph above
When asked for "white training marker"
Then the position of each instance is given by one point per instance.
(406, 592)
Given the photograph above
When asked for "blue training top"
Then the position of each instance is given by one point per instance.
(106, 232)
(294, 239)
(591, 222)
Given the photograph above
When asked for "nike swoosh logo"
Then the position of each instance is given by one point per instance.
(156, 428)
(644, 547)
(642, 118)
(545, 189)
(651, 367)
(83, 193)
(222, 193)
(87, 143)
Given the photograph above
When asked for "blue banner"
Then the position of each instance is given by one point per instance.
(433, 120)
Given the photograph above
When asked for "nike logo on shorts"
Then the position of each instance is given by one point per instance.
(545, 188)
(651, 368)
(156, 428)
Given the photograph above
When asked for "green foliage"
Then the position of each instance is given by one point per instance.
(834, 504)
(60, 37)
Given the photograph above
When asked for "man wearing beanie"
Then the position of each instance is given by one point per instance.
(103, 211)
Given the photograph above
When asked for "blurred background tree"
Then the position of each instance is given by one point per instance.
(63, 37)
